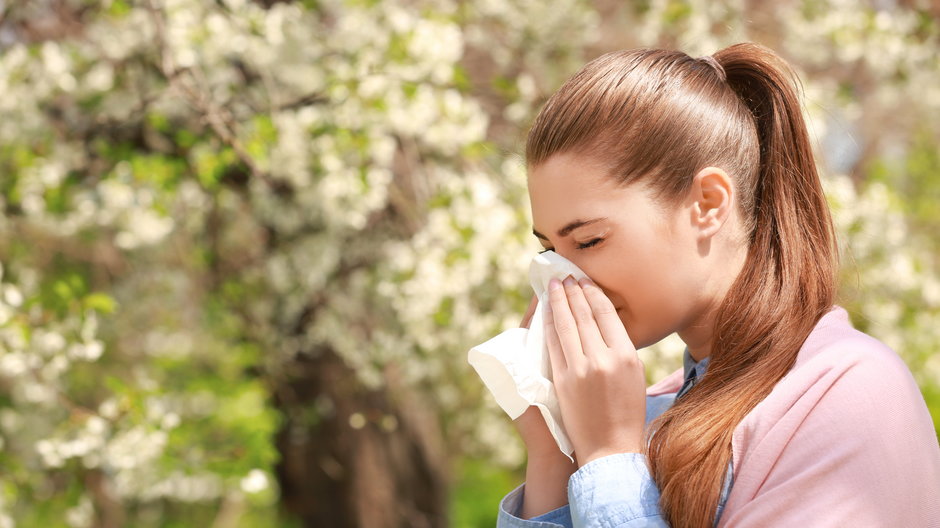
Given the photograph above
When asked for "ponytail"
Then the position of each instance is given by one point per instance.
(787, 283)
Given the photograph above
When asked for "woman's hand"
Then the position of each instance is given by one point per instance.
(598, 377)
(531, 426)
(547, 468)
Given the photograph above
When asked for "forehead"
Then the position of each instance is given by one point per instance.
(572, 185)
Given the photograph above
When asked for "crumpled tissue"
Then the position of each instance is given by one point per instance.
(515, 365)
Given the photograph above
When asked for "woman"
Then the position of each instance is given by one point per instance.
(687, 190)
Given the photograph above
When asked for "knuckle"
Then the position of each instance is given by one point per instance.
(583, 316)
(576, 370)
(606, 365)
(597, 366)
(632, 362)
(564, 327)
(605, 309)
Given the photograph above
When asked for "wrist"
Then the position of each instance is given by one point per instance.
(592, 455)
(552, 458)
(546, 450)
(546, 484)
(551, 465)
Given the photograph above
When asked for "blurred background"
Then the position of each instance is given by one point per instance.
(246, 245)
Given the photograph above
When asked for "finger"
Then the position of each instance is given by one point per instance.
(530, 311)
(564, 322)
(590, 335)
(608, 321)
(555, 353)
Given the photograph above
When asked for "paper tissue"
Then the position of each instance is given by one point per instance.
(515, 365)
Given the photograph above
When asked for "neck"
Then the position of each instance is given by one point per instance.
(698, 333)
(698, 336)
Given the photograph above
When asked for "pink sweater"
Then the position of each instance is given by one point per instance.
(844, 439)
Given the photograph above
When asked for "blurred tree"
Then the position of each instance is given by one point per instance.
(271, 216)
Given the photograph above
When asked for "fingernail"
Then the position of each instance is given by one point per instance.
(554, 284)
(569, 281)
(585, 282)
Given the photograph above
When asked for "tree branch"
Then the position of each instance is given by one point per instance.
(189, 83)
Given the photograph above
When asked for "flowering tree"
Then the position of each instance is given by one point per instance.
(246, 245)
(228, 243)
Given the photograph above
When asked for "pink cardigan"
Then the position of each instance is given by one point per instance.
(844, 439)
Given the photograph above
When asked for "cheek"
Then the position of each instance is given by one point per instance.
(614, 267)
(645, 290)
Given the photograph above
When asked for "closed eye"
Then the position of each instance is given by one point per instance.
(590, 243)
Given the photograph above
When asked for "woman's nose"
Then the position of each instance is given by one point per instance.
(569, 255)
(575, 259)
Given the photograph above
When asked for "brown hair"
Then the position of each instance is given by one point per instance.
(659, 117)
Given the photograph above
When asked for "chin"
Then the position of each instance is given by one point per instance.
(639, 336)
(632, 331)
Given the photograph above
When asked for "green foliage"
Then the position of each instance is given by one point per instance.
(479, 487)
(914, 179)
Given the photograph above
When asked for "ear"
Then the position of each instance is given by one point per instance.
(713, 197)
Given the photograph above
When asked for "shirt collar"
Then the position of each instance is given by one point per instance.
(689, 364)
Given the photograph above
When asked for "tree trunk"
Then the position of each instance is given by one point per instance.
(352, 456)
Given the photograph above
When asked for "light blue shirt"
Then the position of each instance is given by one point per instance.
(615, 490)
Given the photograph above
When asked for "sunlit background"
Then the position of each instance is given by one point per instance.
(246, 245)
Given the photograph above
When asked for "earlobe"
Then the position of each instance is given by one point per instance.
(713, 195)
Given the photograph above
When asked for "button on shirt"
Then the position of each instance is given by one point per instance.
(615, 490)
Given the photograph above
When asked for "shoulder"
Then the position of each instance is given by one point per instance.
(846, 388)
(834, 341)
(844, 438)
(837, 356)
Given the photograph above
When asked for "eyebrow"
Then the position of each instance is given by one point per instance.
(563, 232)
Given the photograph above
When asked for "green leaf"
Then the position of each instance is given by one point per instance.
(100, 303)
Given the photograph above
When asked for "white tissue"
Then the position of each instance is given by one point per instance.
(515, 365)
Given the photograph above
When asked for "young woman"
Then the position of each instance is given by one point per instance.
(687, 190)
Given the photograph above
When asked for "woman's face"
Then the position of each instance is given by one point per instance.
(645, 256)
